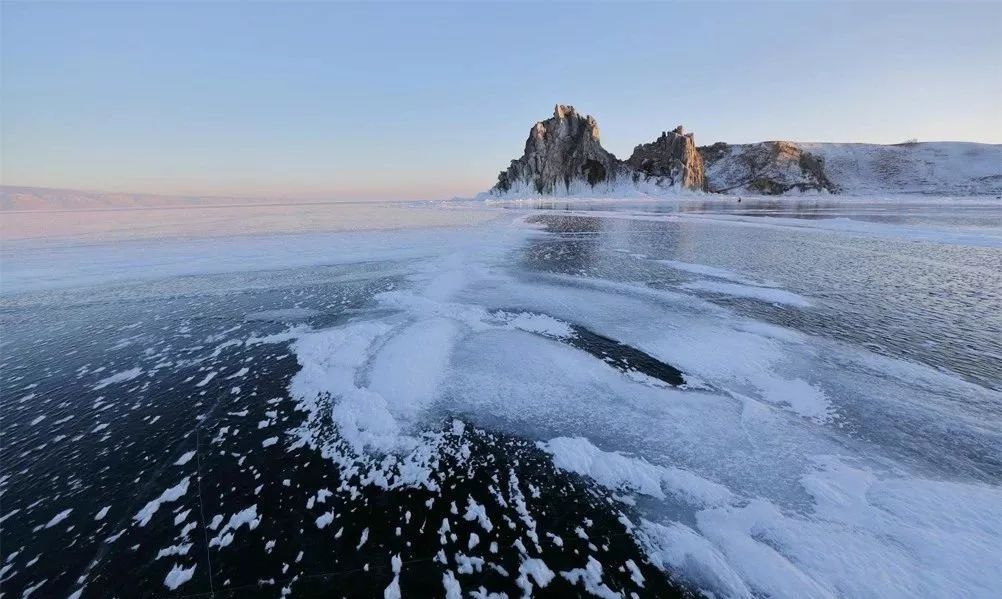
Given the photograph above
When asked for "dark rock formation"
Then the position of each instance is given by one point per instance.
(769, 168)
(561, 154)
(672, 158)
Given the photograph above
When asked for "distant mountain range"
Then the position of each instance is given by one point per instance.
(564, 157)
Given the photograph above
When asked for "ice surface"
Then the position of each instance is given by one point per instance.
(766, 294)
(938, 234)
(116, 218)
(755, 488)
(702, 269)
(766, 476)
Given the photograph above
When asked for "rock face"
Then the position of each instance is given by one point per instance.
(564, 156)
(672, 159)
(768, 168)
(562, 153)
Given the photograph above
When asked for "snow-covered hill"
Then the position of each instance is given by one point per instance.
(947, 168)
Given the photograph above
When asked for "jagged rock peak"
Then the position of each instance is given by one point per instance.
(560, 111)
(672, 158)
(562, 155)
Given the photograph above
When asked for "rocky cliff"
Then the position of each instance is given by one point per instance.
(769, 168)
(564, 156)
(563, 153)
(672, 160)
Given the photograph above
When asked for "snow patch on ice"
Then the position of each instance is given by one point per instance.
(178, 576)
(172, 494)
(118, 377)
(765, 294)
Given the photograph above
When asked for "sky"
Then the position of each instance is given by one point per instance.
(420, 100)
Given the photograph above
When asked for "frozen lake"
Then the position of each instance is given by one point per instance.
(792, 398)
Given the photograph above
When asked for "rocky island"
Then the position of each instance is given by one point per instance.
(564, 156)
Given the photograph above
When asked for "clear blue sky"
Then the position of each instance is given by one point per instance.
(432, 100)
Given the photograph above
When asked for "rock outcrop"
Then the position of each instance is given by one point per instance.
(672, 159)
(561, 154)
(564, 156)
(768, 168)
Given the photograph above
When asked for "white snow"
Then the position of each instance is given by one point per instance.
(118, 377)
(323, 520)
(392, 590)
(171, 494)
(536, 570)
(591, 578)
(475, 511)
(925, 167)
(702, 269)
(181, 549)
(859, 169)
(452, 588)
(178, 576)
(184, 459)
(206, 380)
(766, 294)
(247, 516)
(635, 574)
(617, 471)
(58, 518)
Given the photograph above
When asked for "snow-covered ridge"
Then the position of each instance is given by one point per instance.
(945, 167)
(955, 168)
